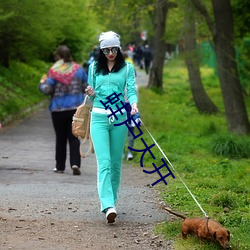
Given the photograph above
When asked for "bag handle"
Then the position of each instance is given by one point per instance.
(85, 99)
(87, 137)
(83, 155)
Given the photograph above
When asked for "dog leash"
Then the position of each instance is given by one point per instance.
(175, 170)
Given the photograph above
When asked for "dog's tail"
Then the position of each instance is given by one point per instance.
(175, 213)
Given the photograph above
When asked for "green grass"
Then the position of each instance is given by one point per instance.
(19, 88)
(214, 164)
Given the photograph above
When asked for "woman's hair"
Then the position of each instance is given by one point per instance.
(102, 67)
(63, 52)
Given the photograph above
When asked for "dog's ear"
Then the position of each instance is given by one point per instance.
(228, 237)
(214, 235)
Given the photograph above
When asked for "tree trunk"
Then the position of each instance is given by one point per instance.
(201, 99)
(233, 98)
(159, 47)
(223, 38)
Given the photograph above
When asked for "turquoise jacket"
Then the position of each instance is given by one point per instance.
(122, 82)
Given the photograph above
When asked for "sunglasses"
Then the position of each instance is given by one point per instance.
(106, 51)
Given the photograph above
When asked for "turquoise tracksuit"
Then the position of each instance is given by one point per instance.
(109, 140)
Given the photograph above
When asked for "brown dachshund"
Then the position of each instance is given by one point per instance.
(204, 228)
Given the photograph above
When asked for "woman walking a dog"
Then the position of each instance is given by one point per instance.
(108, 75)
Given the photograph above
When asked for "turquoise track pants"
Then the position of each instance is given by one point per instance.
(108, 141)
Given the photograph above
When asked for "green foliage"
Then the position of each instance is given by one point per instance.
(231, 146)
(19, 87)
(175, 28)
(243, 59)
(241, 17)
(210, 129)
(175, 24)
(208, 58)
(128, 18)
(170, 230)
(219, 183)
(29, 33)
(224, 200)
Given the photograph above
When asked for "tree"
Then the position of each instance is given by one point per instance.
(201, 99)
(159, 44)
(223, 38)
(28, 33)
(127, 17)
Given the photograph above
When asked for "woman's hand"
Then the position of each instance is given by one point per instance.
(90, 91)
(134, 109)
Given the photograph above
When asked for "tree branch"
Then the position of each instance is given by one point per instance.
(202, 9)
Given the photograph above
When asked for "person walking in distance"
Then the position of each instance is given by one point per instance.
(147, 54)
(65, 84)
(109, 75)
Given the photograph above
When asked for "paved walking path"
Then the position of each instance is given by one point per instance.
(31, 193)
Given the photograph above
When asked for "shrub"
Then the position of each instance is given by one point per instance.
(223, 200)
(231, 146)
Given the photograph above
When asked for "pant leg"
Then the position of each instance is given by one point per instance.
(58, 119)
(108, 141)
(147, 64)
(74, 143)
(118, 139)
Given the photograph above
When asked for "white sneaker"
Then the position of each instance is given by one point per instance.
(129, 156)
(58, 171)
(111, 214)
(76, 170)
